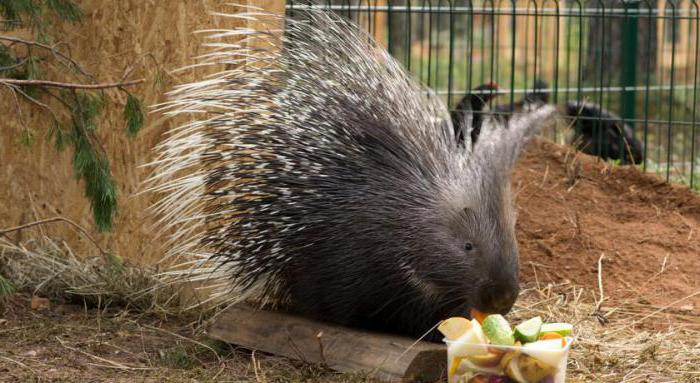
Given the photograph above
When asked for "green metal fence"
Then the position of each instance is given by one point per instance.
(637, 59)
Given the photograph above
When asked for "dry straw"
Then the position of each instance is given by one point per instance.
(623, 343)
(50, 268)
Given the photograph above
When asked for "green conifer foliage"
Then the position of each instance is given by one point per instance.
(76, 123)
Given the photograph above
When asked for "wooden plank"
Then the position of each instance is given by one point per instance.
(387, 357)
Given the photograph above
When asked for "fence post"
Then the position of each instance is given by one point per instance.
(629, 61)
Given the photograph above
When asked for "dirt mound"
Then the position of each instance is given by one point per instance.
(573, 208)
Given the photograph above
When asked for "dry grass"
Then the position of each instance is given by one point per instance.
(617, 344)
(50, 269)
(625, 343)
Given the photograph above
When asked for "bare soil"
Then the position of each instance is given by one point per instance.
(574, 208)
(574, 212)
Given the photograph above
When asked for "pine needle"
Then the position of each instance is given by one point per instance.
(6, 288)
(133, 114)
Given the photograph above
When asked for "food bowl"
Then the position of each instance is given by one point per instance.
(543, 361)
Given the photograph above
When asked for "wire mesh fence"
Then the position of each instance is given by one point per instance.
(634, 64)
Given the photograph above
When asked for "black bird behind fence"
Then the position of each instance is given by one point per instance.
(626, 72)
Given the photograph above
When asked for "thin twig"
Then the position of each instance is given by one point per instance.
(600, 279)
(24, 94)
(67, 85)
(218, 358)
(56, 219)
(19, 107)
(319, 337)
(255, 366)
(667, 306)
(112, 363)
(13, 66)
(18, 363)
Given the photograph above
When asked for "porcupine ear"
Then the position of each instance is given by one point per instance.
(501, 141)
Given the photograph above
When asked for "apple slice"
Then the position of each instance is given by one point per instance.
(471, 342)
(513, 370)
(454, 327)
(533, 370)
(490, 359)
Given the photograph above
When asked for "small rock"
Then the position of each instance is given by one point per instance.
(39, 303)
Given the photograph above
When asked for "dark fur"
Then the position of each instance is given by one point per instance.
(333, 188)
(472, 106)
(602, 133)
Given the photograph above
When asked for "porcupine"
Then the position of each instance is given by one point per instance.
(322, 179)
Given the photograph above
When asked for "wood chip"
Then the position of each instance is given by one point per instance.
(39, 303)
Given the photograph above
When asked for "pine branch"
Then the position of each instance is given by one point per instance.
(53, 49)
(14, 66)
(83, 98)
(68, 85)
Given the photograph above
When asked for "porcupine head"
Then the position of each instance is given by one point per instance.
(316, 175)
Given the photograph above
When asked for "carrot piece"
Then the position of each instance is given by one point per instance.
(553, 335)
(478, 315)
(453, 368)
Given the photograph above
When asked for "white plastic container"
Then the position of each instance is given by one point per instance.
(487, 363)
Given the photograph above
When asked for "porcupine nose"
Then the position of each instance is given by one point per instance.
(499, 298)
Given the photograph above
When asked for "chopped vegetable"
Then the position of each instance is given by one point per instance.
(489, 359)
(533, 370)
(513, 370)
(478, 315)
(553, 335)
(497, 330)
(454, 327)
(471, 342)
(548, 351)
(529, 330)
(487, 350)
(563, 329)
(455, 364)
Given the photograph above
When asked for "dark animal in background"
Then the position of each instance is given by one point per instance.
(470, 111)
(327, 181)
(538, 96)
(602, 133)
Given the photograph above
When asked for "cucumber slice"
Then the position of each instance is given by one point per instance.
(562, 329)
(528, 331)
(497, 330)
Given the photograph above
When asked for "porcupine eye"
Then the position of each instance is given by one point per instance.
(468, 246)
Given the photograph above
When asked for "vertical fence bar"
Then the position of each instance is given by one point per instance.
(628, 97)
(647, 85)
(512, 54)
(389, 26)
(694, 122)
(450, 73)
(669, 144)
(600, 139)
